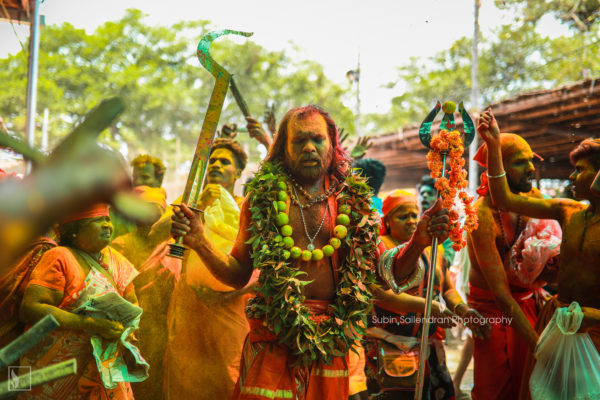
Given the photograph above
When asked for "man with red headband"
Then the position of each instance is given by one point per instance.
(499, 359)
(308, 226)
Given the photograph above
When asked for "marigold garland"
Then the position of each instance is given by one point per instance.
(450, 142)
(280, 303)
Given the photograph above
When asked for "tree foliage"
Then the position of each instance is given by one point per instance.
(513, 59)
(580, 15)
(156, 71)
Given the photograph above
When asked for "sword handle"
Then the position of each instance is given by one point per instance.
(177, 249)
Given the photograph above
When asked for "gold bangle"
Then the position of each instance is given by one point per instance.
(496, 176)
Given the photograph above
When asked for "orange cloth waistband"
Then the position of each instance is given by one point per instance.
(260, 333)
(479, 294)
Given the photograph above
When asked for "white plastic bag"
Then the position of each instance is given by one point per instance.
(568, 364)
(221, 221)
(534, 248)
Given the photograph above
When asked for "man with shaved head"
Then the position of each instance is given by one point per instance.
(499, 356)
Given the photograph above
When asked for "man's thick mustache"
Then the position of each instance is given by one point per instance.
(310, 159)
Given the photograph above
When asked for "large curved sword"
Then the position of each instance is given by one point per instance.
(211, 119)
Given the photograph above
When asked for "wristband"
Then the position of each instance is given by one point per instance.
(495, 176)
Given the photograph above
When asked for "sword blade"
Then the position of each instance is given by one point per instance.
(207, 136)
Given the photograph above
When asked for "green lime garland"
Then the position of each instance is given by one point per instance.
(280, 302)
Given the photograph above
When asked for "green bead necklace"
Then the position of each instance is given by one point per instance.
(310, 253)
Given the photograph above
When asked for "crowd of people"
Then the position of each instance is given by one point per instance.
(312, 286)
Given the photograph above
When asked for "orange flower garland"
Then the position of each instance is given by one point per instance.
(450, 142)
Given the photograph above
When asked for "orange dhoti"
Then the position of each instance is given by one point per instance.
(499, 361)
(207, 328)
(267, 369)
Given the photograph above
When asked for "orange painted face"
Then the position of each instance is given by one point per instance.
(520, 170)
(582, 178)
(402, 222)
(308, 149)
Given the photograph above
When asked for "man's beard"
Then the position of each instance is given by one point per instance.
(522, 186)
(312, 173)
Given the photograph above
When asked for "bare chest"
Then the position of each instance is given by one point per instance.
(314, 226)
(579, 270)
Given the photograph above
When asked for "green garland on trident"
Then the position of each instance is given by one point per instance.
(280, 301)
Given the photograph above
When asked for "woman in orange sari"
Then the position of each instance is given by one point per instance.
(83, 266)
(401, 215)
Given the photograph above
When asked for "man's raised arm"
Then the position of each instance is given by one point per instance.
(502, 196)
(226, 268)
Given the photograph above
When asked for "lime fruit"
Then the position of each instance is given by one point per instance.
(281, 206)
(286, 230)
(449, 107)
(344, 209)
(328, 250)
(282, 219)
(342, 219)
(288, 242)
(340, 231)
(306, 255)
(295, 252)
(317, 255)
(335, 242)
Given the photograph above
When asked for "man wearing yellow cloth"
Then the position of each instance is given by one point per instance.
(207, 324)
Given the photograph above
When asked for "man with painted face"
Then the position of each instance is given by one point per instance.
(225, 165)
(499, 359)
(579, 273)
(207, 324)
(308, 226)
(148, 171)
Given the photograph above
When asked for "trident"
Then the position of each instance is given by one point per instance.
(209, 125)
(425, 136)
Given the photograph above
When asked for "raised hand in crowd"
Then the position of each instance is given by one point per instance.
(360, 148)
(487, 126)
(270, 120)
(256, 131)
